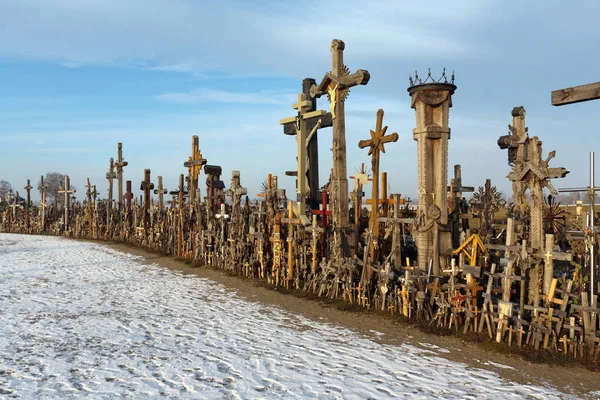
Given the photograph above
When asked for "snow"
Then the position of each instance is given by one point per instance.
(79, 319)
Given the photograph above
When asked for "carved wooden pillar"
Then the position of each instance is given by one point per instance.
(432, 100)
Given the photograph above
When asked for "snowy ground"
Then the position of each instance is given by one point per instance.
(82, 320)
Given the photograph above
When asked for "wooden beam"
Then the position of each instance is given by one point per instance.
(576, 94)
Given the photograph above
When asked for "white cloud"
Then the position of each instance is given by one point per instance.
(205, 95)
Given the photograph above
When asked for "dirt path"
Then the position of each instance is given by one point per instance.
(571, 379)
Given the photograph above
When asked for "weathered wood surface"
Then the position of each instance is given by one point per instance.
(576, 94)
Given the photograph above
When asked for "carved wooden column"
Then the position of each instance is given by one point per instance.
(432, 100)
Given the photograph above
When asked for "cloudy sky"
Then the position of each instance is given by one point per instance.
(76, 77)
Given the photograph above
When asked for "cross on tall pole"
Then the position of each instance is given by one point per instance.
(376, 146)
(110, 176)
(42, 188)
(336, 84)
(160, 191)
(146, 186)
(27, 188)
(571, 95)
(194, 166)
(119, 166)
(180, 193)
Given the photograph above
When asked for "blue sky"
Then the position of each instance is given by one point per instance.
(76, 77)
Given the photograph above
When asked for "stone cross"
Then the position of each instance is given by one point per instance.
(376, 146)
(160, 191)
(432, 100)
(194, 166)
(308, 121)
(110, 176)
(146, 186)
(67, 193)
(119, 168)
(336, 84)
(42, 188)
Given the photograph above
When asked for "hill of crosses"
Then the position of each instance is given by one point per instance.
(522, 273)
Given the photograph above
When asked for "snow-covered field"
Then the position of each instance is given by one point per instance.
(83, 320)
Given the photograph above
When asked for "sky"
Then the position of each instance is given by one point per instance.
(77, 77)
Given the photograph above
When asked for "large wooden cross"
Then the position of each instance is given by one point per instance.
(571, 95)
(110, 176)
(146, 186)
(119, 167)
(160, 191)
(324, 213)
(67, 193)
(305, 126)
(336, 84)
(376, 146)
(194, 165)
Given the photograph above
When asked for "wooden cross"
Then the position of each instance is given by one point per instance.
(276, 240)
(160, 191)
(396, 221)
(214, 189)
(110, 176)
(42, 188)
(67, 193)
(308, 121)
(90, 216)
(27, 188)
(576, 94)
(456, 190)
(336, 84)
(324, 213)
(180, 193)
(290, 220)
(128, 197)
(146, 186)
(376, 146)
(194, 166)
(119, 168)
(314, 229)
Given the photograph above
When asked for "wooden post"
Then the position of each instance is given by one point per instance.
(146, 186)
(67, 197)
(119, 167)
(110, 176)
(27, 188)
(42, 188)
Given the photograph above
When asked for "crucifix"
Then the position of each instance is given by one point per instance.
(119, 167)
(214, 189)
(180, 193)
(42, 188)
(396, 221)
(376, 146)
(110, 176)
(336, 84)
(146, 186)
(235, 192)
(27, 188)
(305, 126)
(194, 166)
(360, 179)
(224, 217)
(290, 239)
(67, 193)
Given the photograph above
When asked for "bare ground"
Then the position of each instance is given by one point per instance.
(569, 377)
